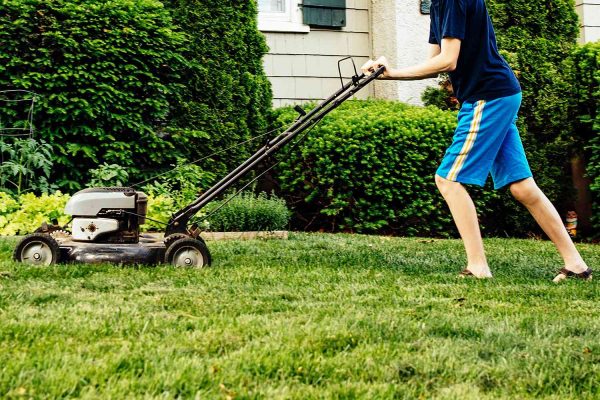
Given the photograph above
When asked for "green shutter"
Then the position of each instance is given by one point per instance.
(329, 13)
(425, 6)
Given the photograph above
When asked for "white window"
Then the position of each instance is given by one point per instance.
(272, 6)
(280, 16)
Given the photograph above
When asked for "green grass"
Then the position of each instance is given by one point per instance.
(317, 316)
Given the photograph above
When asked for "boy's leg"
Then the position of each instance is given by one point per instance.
(482, 127)
(530, 195)
(511, 168)
(465, 217)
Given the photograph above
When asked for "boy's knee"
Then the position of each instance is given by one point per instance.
(525, 191)
(444, 185)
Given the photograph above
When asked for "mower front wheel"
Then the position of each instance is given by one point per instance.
(37, 249)
(188, 252)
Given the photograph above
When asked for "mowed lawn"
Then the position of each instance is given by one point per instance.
(316, 316)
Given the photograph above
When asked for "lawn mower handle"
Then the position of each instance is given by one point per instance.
(179, 221)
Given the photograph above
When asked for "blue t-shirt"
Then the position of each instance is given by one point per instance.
(481, 73)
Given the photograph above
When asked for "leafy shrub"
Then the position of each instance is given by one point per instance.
(8, 206)
(182, 183)
(160, 208)
(26, 213)
(369, 167)
(106, 73)
(226, 95)
(249, 212)
(26, 165)
(108, 175)
(139, 83)
(586, 135)
(442, 96)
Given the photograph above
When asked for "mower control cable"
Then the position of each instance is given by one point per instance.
(234, 195)
(208, 156)
(145, 217)
(179, 221)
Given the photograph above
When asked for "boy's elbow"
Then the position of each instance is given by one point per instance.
(449, 65)
(447, 62)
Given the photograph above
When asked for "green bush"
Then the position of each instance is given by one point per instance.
(182, 183)
(369, 167)
(107, 175)
(136, 83)
(26, 165)
(226, 96)
(28, 212)
(106, 72)
(586, 135)
(249, 212)
(160, 208)
(441, 96)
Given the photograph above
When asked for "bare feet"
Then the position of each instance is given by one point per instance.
(477, 272)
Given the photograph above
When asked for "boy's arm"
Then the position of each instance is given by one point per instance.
(434, 50)
(443, 61)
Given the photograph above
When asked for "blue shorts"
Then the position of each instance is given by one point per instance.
(487, 140)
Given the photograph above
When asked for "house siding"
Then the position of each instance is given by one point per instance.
(589, 19)
(302, 67)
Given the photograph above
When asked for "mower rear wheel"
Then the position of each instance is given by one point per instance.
(37, 249)
(188, 252)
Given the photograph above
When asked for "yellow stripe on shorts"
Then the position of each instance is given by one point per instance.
(468, 145)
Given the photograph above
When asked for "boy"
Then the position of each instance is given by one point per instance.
(463, 44)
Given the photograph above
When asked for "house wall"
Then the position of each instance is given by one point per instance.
(589, 19)
(401, 33)
(302, 67)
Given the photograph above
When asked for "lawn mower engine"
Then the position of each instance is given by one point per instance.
(109, 215)
(106, 228)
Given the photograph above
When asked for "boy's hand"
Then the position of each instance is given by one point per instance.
(371, 66)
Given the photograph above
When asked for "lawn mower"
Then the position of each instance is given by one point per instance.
(105, 225)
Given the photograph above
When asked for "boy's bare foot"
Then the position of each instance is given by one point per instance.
(481, 273)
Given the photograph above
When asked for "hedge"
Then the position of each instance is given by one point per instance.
(369, 167)
(106, 73)
(586, 135)
(227, 96)
(136, 83)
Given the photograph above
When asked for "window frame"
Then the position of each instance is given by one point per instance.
(289, 21)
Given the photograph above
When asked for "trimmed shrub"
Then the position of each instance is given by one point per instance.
(136, 83)
(369, 167)
(249, 212)
(227, 96)
(586, 135)
(105, 71)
